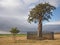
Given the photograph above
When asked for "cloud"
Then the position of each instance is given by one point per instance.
(10, 3)
(53, 23)
(54, 2)
(52, 27)
(29, 1)
(15, 13)
(4, 32)
(6, 23)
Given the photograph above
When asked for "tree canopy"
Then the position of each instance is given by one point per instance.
(41, 10)
(14, 30)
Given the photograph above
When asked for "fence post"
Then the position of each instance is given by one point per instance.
(52, 35)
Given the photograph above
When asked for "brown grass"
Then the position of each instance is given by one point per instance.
(22, 40)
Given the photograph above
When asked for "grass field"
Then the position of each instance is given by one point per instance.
(11, 35)
(21, 39)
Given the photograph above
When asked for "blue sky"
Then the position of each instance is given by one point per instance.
(14, 13)
(57, 14)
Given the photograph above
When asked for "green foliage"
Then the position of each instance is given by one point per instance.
(41, 10)
(14, 30)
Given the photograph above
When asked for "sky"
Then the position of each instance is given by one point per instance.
(14, 13)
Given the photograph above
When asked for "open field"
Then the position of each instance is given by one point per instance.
(22, 40)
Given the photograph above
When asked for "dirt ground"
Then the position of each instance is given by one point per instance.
(22, 40)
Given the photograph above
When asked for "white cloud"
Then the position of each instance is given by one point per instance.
(53, 23)
(4, 32)
(53, 2)
(10, 3)
(30, 1)
(11, 10)
(22, 3)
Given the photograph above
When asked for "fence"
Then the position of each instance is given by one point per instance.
(45, 35)
(31, 35)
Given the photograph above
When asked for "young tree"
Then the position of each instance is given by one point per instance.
(14, 31)
(40, 13)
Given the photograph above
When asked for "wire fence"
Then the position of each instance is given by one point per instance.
(45, 35)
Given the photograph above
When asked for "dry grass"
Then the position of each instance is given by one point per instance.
(21, 40)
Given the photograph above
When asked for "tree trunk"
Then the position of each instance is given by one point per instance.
(14, 38)
(40, 27)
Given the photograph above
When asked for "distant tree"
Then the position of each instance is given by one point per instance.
(14, 31)
(40, 13)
